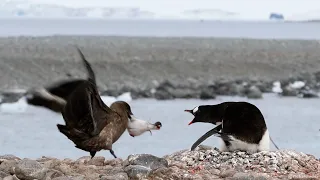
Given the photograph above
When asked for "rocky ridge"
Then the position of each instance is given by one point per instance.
(164, 68)
(203, 163)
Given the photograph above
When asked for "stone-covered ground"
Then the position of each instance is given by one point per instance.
(203, 163)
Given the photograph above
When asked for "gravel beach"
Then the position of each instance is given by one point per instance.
(206, 163)
(141, 64)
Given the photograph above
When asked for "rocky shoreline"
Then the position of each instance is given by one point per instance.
(203, 163)
(252, 89)
(163, 68)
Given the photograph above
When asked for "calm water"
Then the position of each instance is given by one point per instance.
(293, 123)
(43, 27)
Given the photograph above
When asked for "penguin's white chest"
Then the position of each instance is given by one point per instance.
(137, 127)
(236, 144)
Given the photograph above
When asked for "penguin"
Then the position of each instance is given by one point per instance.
(240, 125)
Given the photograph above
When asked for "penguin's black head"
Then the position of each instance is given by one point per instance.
(207, 114)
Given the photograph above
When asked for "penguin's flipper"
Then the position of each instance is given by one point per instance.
(214, 131)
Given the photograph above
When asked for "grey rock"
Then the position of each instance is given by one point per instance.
(227, 173)
(14, 177)
(170, 90)
(83, 160)
(163, 91)
(7, 178)
(254, 93)
(228, 88)
(10, 97)
(70, 178)
(119, 176)
(7, 166)
(207, 93)
(288, 91)
(163, 95)
(9, 157)
(137, 171)
(183, 93)
(51, 174)
(51, 164)
(307, 94)
(250, 176)
(114, 162)
(98, 161)
(110, 92)
(264, 86)
(29, 170)
(147, 160)
(3, 174)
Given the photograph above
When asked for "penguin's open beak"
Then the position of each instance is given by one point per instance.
(191, 122)
(189, 111)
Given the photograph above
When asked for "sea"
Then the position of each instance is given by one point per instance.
(159, 28)
(31, 132)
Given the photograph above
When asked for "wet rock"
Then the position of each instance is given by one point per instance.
(169, 90)
(29, 170)
(264, 86)
(110, 92)
(163, 91)
(207, 93)
(307, 94)
(228, 88)
(289, 91)
(254, 93)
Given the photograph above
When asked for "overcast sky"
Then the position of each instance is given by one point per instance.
(245, 7)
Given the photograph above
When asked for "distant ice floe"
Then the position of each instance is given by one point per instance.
(108, 100)
(297, 84)
(277, 87)
(17, 107)
(297, 88)
(21, 105)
